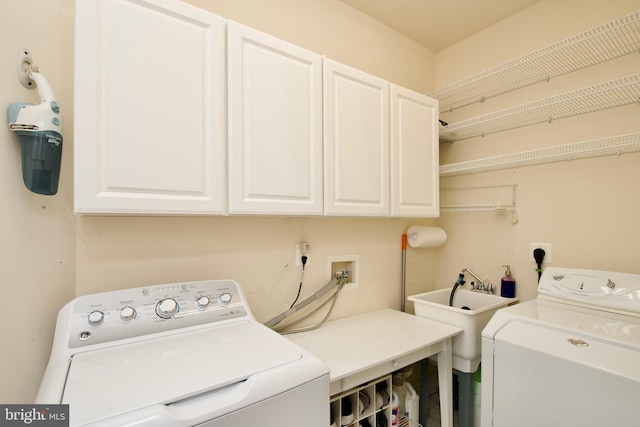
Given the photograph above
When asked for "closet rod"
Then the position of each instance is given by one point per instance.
(498, 206)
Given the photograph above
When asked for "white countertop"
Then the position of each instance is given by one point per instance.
(363, 347)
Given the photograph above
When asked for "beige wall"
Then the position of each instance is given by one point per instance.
(335, 29)
(49, 255)
(37, 253)
(584, 208)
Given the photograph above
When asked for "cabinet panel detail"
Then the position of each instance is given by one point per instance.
(148, 108)
(275, 125)
(414, 154)
(356, 142)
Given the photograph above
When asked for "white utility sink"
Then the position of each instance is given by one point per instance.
(434, 305)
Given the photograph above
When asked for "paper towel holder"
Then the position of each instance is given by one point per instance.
(438, 238)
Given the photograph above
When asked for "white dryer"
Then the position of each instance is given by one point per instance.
(180, 354)
(571, 357)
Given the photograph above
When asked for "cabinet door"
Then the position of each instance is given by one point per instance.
(414, 154)
(275, 125)
(356, 120)
(149, 98)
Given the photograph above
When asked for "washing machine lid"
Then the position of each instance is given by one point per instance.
(552, 376)
(536, 340)
(115, 380)
(601, 290)
(616, 327)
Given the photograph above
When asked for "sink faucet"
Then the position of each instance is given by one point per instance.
(480, 285)
(466, 270)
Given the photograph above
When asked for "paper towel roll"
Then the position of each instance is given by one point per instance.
(425, 237)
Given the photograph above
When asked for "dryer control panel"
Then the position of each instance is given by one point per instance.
(129, 313)
(603, 290)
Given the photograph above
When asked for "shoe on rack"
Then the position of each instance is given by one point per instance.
(364, 399)
(382, 395)
(347, 412)
(381, 420)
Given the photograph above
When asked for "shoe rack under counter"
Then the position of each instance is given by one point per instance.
(362, 348)
(369, 404)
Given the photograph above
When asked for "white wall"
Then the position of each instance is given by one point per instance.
(584, 208)
(49, 255)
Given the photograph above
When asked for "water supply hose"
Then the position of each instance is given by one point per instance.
(459, 282)
(336, 282)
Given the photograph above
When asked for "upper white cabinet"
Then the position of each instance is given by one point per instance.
(149, 108)
(275, 125)
(381, 147)
(356, 135)
(180, 112)
(414, 154)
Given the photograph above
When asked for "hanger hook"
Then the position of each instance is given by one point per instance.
(25, 67)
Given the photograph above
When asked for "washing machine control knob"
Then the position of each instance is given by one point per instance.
(127, 313)
(225, 298)
(203, 302)
(167, 308)
(95, 318)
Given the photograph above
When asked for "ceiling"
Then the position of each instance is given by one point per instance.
(437, 24)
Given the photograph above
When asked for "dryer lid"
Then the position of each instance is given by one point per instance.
(115, 380)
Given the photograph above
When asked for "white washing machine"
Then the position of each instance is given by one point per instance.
(180, 354)
(571, 357)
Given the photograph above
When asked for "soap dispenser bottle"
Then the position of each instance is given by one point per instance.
(508, 284)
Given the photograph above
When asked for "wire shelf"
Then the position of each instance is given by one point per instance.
(407, 422)
(615, 93)
(615, 145)
(612, 40)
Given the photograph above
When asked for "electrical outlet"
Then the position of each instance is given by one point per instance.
(302, 248)
(305, 248)
(547, 251)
